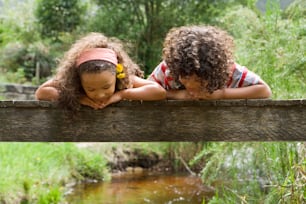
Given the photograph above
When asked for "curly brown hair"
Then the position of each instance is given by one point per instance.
(68, 75)
(206, 51)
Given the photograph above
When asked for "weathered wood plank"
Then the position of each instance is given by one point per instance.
(133, 121)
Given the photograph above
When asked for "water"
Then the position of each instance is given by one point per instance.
(136, 188)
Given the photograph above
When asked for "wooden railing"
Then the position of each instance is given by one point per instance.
(135, 121)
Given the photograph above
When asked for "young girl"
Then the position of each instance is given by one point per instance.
(97, 72)
(198, 64)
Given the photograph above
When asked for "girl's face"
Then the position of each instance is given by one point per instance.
(99, 86)
(192, 84)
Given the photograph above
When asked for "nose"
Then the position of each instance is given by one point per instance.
(100, 96)
(192, 91)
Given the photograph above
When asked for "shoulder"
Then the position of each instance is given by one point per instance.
(51, 82)
(138, 81)
(162, 75)
(159, 73)
(161, 68)
(241, 76)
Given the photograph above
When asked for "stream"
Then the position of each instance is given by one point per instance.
(142, 187)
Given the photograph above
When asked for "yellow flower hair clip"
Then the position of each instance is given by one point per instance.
(120, 72)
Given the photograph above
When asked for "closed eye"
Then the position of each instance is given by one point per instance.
(90, 90)
(106, 87)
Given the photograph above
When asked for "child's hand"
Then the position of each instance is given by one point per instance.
(180, 95)
(218, 94)
(84, 100)
(116, 97)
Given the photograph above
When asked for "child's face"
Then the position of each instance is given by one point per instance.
(99, 86)
(192, 84)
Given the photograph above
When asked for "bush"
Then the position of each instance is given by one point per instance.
(11, 56)
(18, 56)
(91, 167)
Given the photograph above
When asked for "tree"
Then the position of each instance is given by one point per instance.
(56, 16)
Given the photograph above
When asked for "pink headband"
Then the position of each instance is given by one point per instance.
(105, 54)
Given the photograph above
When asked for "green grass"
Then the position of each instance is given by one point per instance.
(255, 172)
(37, 172)
(273, 46)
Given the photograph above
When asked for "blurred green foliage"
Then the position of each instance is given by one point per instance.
(56, 16)
(18, 56)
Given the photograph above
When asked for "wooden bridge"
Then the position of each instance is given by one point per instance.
(135, 121)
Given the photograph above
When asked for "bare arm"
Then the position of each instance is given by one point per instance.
(250, 92)
(47, 91)
(142, 90)
(179, 95)
(261, 90)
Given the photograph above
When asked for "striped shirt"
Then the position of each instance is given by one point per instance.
(241, 77)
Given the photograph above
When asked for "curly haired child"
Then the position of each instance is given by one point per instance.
(198, 64)
(96, 72)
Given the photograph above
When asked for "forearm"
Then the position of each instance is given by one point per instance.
(148, 92)
(47, 91)
(47, 94)
(178, 95)
(250, 92)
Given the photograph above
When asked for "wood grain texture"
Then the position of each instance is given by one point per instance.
(135, 121)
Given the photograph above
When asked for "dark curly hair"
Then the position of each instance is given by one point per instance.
(206, 51)
(68, 75)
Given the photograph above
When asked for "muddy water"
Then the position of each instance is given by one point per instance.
(138, 188)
